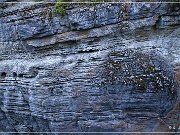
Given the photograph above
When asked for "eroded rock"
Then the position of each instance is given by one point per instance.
(107, 67)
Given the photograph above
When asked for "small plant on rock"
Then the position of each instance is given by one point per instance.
(60, 7)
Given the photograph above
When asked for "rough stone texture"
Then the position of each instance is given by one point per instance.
(105, 67)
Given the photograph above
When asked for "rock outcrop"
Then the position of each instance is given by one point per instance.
(103, 67)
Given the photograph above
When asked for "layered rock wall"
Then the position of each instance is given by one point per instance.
(103, 67)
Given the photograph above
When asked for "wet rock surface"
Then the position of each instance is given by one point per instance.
(107, 67)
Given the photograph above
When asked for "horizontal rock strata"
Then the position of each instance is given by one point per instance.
(103, 67)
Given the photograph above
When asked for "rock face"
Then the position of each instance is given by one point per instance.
(104, 67)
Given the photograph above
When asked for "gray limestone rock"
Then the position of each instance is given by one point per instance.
(98, 68)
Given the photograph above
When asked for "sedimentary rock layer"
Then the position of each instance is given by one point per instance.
(103, 67)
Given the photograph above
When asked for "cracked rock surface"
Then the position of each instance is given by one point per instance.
(104, 67)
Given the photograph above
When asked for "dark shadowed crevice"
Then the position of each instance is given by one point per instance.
(20, 75)
(14, 74)
(3, 75)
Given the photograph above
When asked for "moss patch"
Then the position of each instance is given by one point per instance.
(60, 7)
(141, 71)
